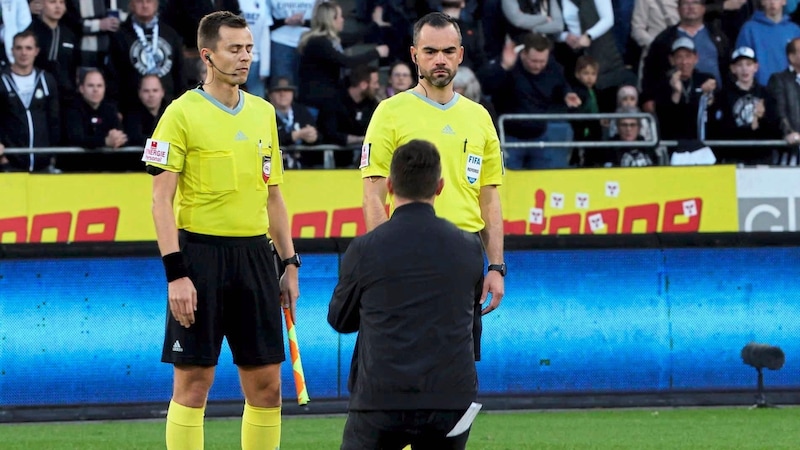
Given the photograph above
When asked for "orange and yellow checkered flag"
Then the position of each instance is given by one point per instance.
(297, 364)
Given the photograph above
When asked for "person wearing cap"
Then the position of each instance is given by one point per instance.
(740, 112)
(296, 124)
(711, 45)
(678, 101)
(767, 33)
(784, 95)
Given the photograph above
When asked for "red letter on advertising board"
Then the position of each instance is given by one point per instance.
(648, 213)
(571, 222)
(347, 216)
(516, 227)
(16, 225)
(107, 217)
(537, 220)
(316, 220)
(596, 219)
(59, 221)
(690, 208)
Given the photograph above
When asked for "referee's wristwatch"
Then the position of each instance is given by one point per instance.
(293, 260)
(498, 268)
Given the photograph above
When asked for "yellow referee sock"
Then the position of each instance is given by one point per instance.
(261, 428)
(184, 427)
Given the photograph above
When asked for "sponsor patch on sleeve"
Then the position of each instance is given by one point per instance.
(364, 155)
(156, 151)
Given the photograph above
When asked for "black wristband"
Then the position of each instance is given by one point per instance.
(174, 267)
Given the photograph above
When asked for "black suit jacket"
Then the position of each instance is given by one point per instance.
(784, 100)
(408, 288)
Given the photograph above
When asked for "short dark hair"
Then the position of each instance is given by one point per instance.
(585, 61)
(208, 30)
(84, 72)
(435, 20)
(415, 170)
(359, 74)
(536, 41)
(790, 46)
(28, 32)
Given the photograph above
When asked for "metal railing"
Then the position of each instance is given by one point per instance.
(327, 149)
(652, 122)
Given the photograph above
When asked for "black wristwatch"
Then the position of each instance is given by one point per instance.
(293, 260)
(499, 268)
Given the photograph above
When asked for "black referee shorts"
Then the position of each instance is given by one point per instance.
(393, 430)
(238, 298)
(477, 320)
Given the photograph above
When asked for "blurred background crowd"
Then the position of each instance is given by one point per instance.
(97, 74)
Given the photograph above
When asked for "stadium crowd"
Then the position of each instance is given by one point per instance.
(97, 74)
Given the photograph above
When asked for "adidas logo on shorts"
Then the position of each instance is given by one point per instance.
(176, 347)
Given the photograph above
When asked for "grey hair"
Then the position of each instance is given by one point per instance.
(466, 79)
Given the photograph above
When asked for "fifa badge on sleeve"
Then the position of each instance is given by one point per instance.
(266, 167)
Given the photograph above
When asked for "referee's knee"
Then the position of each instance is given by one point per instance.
(261, 385)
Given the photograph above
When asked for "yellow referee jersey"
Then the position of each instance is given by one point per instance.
(226, 158)
(463, 132)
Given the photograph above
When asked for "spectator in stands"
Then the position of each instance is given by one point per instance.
(184, 17)
(766, 33)
(683, 94)
(146, 45)
(36, 7)
(322, 57)
(291, 18)
(730, 15)
(92, 122)
(468, 10)
(15, 17)
(532, 16)
(586, 69)
(651, 17)
(740, 112)
(59, 48)
(467, 84)
(94, 22)
(401, 79)
(628, 97)
(344, 121)
(296, 125)
(29, 109)
(140, 122)
(390, 22)
(784, 96)
(471, 34)
(629, 130)
(259, 18)
(532, 82)
(712, 47)
(588, 31)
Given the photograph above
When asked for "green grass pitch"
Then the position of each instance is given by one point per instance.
(695, 429)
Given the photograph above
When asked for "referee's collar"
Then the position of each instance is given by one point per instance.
(219, 105)
(443, 107)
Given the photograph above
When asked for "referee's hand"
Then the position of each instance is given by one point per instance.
(290, 291)
(493, 283)
(183, 301)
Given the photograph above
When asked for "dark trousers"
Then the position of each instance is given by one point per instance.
(393, 430)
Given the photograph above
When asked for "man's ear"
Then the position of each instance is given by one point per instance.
(390, 185)
(440, 186)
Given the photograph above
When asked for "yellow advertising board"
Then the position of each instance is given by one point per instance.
(621, 200)
(116, 207)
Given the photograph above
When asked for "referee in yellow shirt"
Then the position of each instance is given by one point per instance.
(217, 147)
(462, 130)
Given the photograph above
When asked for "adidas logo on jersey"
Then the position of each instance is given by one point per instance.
(176, 347)
(240, 136)
(448, 130)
